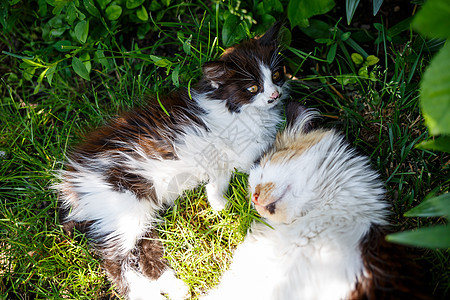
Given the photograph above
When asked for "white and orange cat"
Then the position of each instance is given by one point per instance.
(117, 180)
(323, 236)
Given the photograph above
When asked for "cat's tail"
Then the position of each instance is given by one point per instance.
(299, 118)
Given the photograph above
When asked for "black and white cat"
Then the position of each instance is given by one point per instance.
(326, 215)
(117, 180)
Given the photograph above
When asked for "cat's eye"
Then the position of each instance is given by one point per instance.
(253, 89)
(276, 76)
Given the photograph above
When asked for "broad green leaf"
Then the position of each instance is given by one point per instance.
(272, 5)
(71, 13)
(299, 11)
(101, 58)
(28, 73)
(346, 79)
(90, 7)
(435, 95)
(60, 45)
(134, 3)
(429, 237)
(80, 68)
(345, 36)
(175, 76)
(160, 62)
(232, 31)
(357, 58)
(86, 59)
(317, 30)
(166, 2)
(440, 143)
(331, 53)
(142, 14)
(57, 32)
(187, 45)
(350, 8)
(113, 12)
(434, 207)
(81, 31)
(103, 3)
(372, 60)
(433, 19)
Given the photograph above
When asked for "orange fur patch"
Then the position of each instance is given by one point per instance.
(289, 146)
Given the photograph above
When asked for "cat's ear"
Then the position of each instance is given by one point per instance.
(272, 35)
(214, 72)
(299, 118)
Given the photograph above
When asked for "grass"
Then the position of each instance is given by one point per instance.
(380, 117)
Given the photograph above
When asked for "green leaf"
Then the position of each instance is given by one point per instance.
(331, 53)
(50, 74)
(434, 207)
(187, 45)
(346, 79)
(80, 68)
(166, 2)
(175, 76)
(28, 73)
(430, 237)
(350, 8)
(113, 12)
(81, 31)
(372, 60)
(90, 7)
(103, 3)
(435, 95)
(101, 58)
(160, 62)
(41, 76)
(142, 14)
(317, 30)
(71, 13)
(345, 36)
(376, 6)
(299, 11)
(59, 45)
(272, 5)
(134, 3)
(440, 143)
(232, 31)
(33, 63)
(357, 58)
(433, 19)
(86, 59)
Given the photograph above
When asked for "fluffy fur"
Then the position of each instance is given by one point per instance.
(118, 179)
(324, 210)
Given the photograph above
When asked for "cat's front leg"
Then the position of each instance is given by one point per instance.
(215, 190)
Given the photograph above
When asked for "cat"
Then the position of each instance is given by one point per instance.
(324, 224)
(118, 179)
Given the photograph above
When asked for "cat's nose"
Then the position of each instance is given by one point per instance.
(275, 95)
(255, 198)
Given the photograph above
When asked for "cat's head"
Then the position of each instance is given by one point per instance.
(313, 169)
(250, 73)
(278, 182)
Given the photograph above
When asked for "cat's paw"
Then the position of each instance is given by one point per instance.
(217, 202)
(179, 291)
(175, 288)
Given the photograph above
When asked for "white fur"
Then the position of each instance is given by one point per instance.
(141, 288)
(329, 199)
(232, 141)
